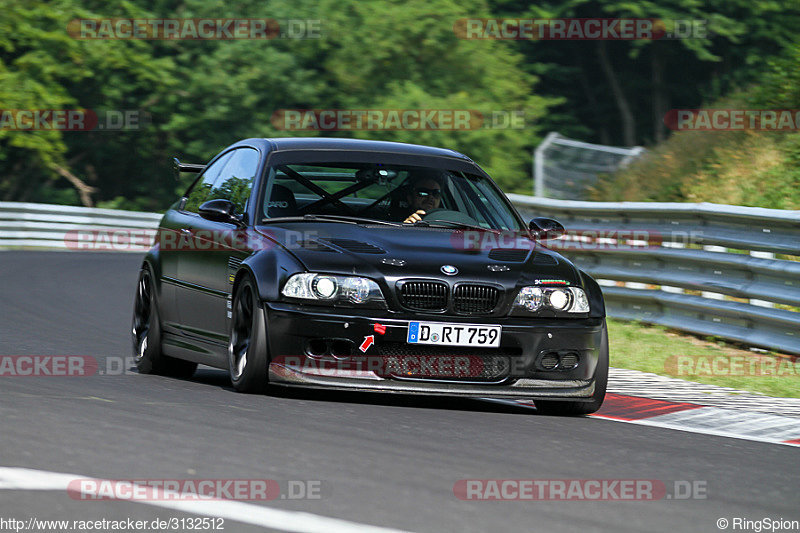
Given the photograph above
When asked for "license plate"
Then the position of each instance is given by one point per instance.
(476, 335)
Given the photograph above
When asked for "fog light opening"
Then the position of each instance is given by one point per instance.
(568, 361)
(341, 348)
(317, 347)
(549, 361)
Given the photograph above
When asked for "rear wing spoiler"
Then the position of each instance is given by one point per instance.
(179, 167)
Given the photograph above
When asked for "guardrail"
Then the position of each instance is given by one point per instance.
(705, 268)
(65, 227)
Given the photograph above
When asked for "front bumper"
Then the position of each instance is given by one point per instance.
(291, 329)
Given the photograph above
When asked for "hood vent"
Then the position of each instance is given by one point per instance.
(357, 247)
(315, 246)
(544, 259)
(509, 255)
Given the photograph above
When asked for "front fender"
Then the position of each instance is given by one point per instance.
(597, 305)
(269, 269)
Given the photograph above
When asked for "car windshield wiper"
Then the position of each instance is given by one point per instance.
(305, 218)
(359, 220)
(332, 218)
(452, 224)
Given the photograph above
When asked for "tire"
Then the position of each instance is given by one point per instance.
(146, 330)
(248, 360)
(572, 408)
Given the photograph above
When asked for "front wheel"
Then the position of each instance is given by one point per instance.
(572, 408)
(146, 332)
(247, 344)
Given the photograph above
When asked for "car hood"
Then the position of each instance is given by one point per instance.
(380, 251)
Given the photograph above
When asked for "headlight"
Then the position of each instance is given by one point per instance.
(530, 298)
(565, 299)
(334, 289)
(323, 287)
(558, 299)
(360, 290)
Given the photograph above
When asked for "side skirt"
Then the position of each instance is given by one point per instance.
(192, 349)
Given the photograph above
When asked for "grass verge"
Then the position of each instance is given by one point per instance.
(656, 349)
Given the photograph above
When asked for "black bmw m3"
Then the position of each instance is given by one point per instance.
(371, 266)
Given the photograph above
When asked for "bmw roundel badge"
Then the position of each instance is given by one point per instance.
(449, 270)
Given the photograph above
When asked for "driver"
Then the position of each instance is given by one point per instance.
(424, 195)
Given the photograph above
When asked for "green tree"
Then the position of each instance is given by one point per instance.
(43, 67)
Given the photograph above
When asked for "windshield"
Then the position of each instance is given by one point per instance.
(388, 193)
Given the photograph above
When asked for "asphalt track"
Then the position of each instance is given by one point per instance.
(388, 461)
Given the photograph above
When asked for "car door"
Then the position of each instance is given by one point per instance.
(174, 238)
(204, 266)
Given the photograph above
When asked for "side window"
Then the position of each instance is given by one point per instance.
(235, 181)
(199, 192)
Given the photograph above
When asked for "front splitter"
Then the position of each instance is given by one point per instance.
(531, 389)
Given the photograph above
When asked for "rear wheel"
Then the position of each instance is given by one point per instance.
(247, 345)
(146, 332)
(572, 408)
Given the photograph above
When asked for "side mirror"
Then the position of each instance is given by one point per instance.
(220, 210)
(546, 228)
